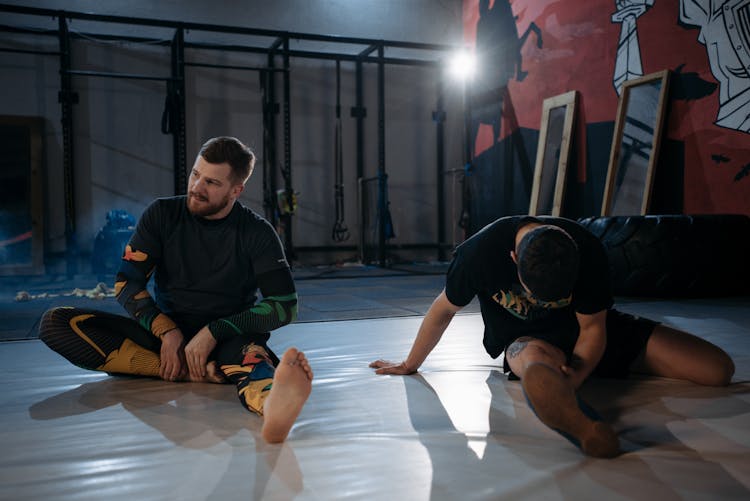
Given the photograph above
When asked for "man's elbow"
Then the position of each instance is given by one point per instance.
(292, 316)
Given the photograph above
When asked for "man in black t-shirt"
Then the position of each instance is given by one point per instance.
(209, 256)
(544, 293)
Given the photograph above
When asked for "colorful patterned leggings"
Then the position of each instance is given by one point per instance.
(101, 341)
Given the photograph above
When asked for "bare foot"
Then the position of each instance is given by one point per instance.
(213, 375)
(292, 383)
(554, 402)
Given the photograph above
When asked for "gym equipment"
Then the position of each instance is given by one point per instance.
(676, 255)
(339, 233)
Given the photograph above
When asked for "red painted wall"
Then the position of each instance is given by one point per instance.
(578, 53)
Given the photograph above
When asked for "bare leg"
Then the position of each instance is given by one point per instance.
(676, 354)
(554, 401)
(553, 398)
(292, 383)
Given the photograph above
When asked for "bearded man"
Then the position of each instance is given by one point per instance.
(209, 256)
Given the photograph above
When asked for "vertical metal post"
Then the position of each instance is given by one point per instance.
(67, 98)
(358, 113)
(177, 90)
(382, 178)
(468, 147)
(270, 108)
(465, 221)
(439, 118)
(287, 170)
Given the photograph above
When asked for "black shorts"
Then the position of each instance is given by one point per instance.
(627, 336)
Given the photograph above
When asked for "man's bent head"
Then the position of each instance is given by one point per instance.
(547, 259)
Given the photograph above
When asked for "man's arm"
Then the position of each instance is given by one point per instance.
(588, 351)
(278, 308)
(131, 292)
(433, 325)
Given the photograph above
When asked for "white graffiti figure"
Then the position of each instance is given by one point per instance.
(725, 31)
(628, 60)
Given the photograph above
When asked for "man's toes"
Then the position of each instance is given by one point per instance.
(290, 356)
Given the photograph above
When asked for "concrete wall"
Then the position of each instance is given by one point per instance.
(123, 161)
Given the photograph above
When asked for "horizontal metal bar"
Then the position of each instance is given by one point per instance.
(85, 36)
(354, 58)
(232, 67)
(326, 248)
(411, 246)
(18, 9)
(106, 74)
(30, 51)
(30, 31)
(335, 248)
(332, 56)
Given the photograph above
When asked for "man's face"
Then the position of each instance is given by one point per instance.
(211, 189)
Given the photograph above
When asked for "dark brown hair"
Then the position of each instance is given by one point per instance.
(230, 150)
(548, 262)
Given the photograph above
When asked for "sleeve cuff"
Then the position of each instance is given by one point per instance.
(162, 324)
(222, 329)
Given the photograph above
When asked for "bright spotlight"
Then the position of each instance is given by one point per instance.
(462, 65)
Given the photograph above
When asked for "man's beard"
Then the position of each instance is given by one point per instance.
(203, 209)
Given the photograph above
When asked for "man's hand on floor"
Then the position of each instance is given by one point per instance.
(386, 367)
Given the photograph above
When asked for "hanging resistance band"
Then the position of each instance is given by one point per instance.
(340, 232)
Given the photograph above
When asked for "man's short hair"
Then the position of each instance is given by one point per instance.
(548, 262)
(230, 150)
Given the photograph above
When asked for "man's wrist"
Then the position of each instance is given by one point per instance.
(208, 328)
(222, 329)
(410, 368)
(162, 324)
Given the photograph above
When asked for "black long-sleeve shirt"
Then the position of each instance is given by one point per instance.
(206, 272)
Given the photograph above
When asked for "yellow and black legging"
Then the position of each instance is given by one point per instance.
(102, 341)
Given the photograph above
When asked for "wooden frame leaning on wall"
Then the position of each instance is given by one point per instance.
(635, 145)
(553, 154)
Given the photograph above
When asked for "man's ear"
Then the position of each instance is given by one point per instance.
(514, 257)
(237, 190)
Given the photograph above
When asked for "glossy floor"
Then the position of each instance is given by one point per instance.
(457, 430)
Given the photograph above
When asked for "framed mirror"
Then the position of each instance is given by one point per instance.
(553, 154)
(635, 145)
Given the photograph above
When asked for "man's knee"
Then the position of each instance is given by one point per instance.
(720, 371)
(53, 320)
(525, 351)
(66, 331)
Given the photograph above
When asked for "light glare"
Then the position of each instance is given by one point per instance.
(463, 65)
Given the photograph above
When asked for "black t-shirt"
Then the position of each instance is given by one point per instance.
(482, 267)
(206, 269)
